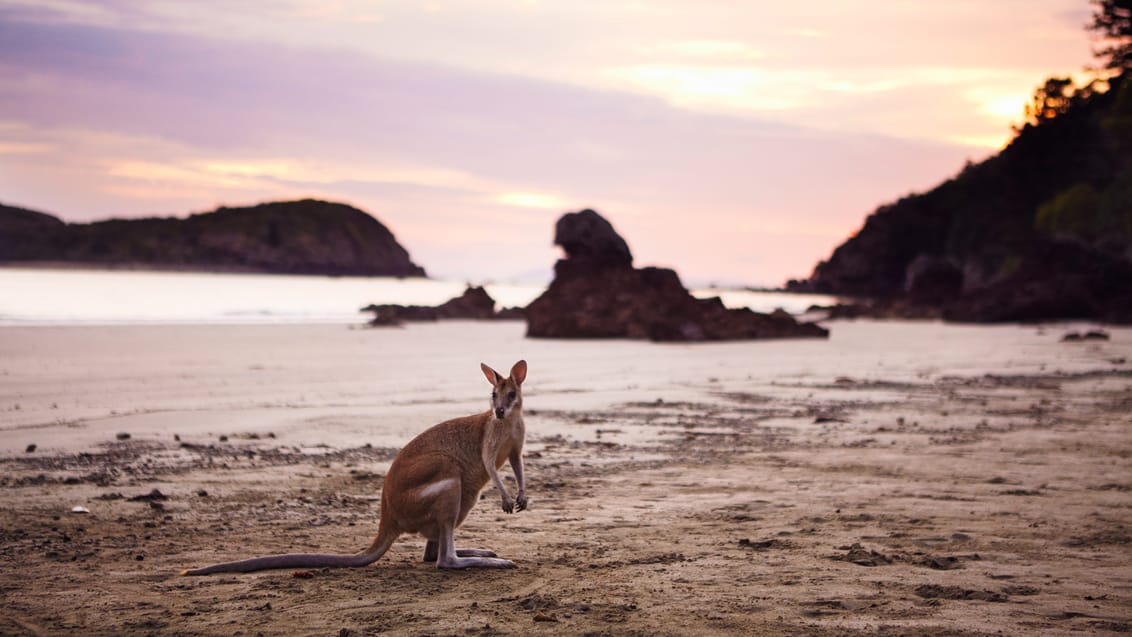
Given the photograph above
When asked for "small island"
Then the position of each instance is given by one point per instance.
(286, 237)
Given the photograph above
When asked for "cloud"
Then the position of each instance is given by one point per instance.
(718, 87)
(703, 51)
(136, 122)
(536, 200)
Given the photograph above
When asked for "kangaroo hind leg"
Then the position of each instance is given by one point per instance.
(448, 557)
(444, 546)
(432, 552)
(440, 504)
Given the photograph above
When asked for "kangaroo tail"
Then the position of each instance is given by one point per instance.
(380, 545)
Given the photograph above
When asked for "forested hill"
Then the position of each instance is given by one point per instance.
(293, 237)
(1041, 230)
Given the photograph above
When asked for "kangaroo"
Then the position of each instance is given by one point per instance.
(433, 484)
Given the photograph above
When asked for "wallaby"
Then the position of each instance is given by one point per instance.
(433, 484)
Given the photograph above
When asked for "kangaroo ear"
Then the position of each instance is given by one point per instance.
(519, 372)
(493, 376)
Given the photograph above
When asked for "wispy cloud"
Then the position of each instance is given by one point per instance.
(732, 139)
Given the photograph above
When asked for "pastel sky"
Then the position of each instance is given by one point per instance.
(737, 141)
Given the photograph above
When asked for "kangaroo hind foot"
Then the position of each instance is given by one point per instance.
(432, 552)
(447, 556)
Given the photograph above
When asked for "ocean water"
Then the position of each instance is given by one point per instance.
(30, 296)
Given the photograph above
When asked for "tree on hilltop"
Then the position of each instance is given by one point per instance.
(1112, 24)
(1050, 100)
(1112, 21)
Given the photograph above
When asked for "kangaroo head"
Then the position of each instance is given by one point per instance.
(507, 392)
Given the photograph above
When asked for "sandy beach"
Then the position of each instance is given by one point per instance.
(899, 478)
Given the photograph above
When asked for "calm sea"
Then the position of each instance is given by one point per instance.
(61, 296)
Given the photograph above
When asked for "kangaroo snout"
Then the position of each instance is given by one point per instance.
(499, 413)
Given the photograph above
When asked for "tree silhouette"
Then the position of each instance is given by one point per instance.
(1112, 24)
(1112, 21)
(1050, 100)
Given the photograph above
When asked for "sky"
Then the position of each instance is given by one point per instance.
(738, 142)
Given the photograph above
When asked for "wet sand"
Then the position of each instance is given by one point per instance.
(900, 478)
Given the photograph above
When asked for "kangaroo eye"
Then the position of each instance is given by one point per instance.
(510, 395)
(494, 395)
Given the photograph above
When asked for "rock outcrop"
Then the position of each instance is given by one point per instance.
(589, 240)
(597, 293)
(474, 303)
(1063, 281)
(293, 237)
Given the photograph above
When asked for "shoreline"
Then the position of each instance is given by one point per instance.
(149, 379)
(102, 297)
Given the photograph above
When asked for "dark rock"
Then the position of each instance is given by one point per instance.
(932, 280)
(511, 313)
(1091, 335)
(1063, 280)
(587, 237)
(151, 496)
(474, 303)
(849, 311)
(889, 308)
(858, 554)
(1028, 301)
(936, 591)
(291, 237)
(393, 315)
(596, 293)
(762, 545)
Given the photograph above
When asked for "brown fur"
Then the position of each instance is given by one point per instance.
(433, 484)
